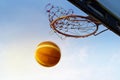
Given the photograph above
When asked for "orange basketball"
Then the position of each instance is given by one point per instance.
(47, 54)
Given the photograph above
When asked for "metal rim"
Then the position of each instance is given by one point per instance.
(52, 24)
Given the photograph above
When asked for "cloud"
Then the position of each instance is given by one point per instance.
(83, 54)
(115, 58)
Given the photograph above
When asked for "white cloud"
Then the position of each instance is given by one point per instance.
(19, 63)
(115, 58)
(83, 54)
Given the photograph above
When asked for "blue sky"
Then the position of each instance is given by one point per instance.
(24, 24)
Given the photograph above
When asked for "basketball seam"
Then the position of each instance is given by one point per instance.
(50, 56)
(41, 46)
(42, 63)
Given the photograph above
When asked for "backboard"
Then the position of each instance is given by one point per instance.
(106, 11)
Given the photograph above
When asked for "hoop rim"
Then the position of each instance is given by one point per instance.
(70, 35)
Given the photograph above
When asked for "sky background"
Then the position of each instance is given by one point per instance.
(24, 24)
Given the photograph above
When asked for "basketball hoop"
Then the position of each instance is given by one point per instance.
(65, 23)
(74, 26)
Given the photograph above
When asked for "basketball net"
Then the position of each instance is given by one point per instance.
(66, 24)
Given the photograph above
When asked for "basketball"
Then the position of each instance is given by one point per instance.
(47, 54)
